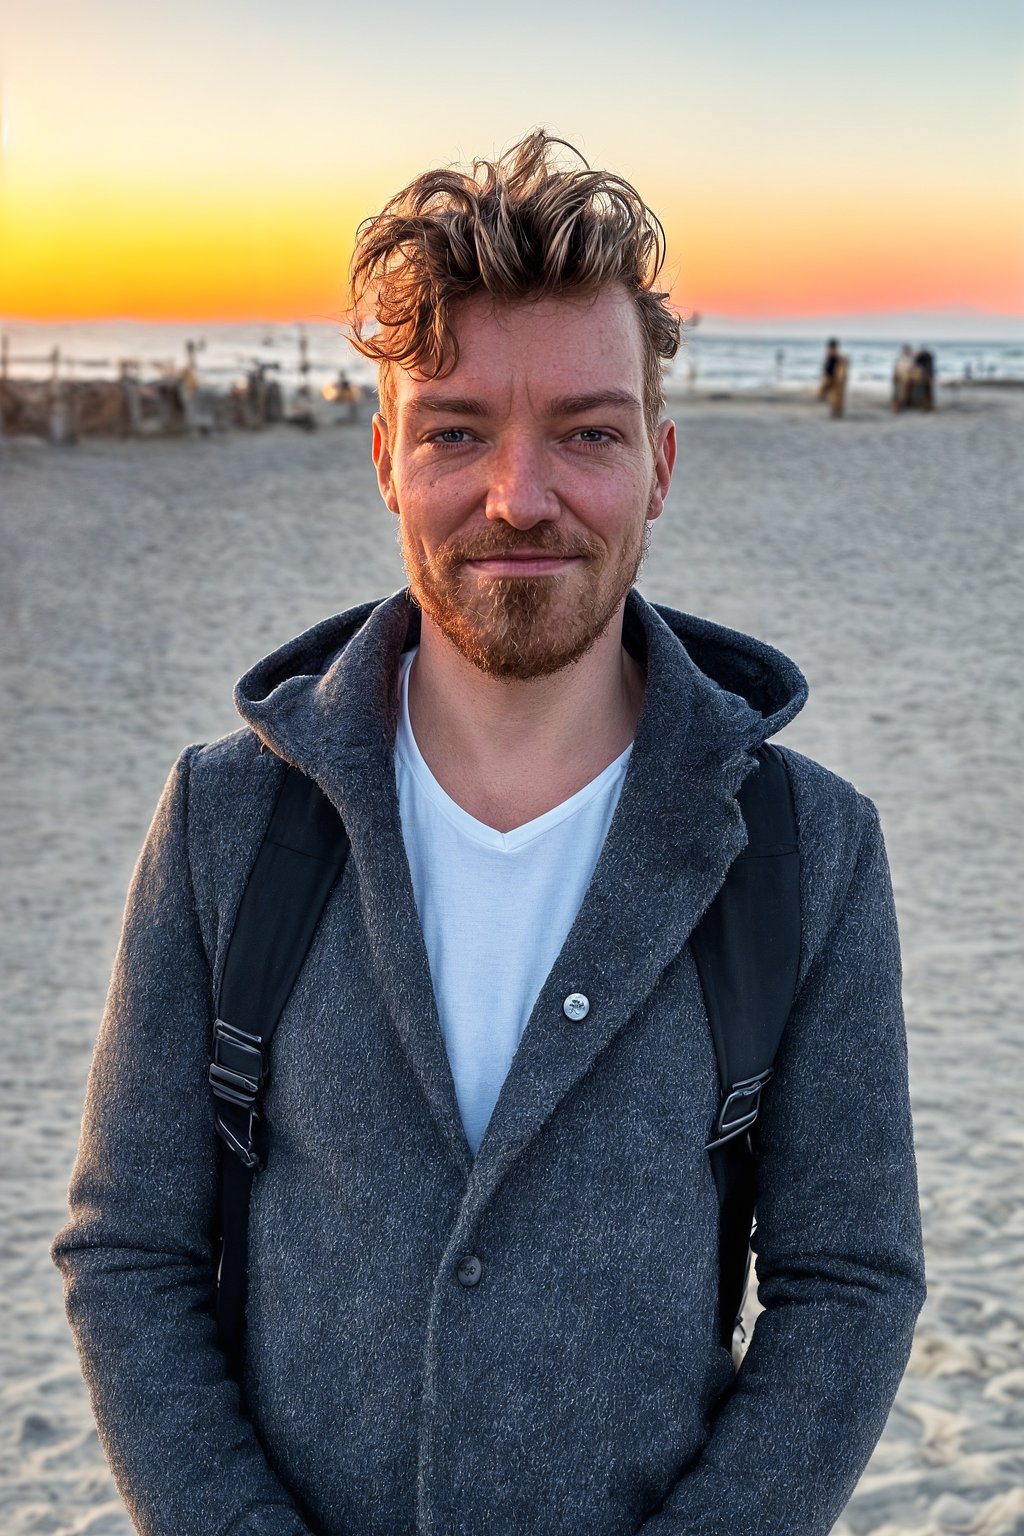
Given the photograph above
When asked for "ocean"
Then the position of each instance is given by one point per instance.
(710, 359)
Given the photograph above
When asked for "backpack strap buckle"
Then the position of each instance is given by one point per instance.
(739, 1110)
(237, 1073)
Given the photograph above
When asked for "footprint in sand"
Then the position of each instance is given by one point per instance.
(37, 1431)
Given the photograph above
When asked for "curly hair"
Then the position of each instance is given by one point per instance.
(519, 227)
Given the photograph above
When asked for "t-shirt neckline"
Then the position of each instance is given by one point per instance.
(479, 831)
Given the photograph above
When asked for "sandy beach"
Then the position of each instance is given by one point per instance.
(140, 578)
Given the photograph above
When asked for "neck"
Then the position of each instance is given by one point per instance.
(509, 750)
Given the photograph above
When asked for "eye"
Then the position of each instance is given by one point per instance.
(449, 437)
(592, 437)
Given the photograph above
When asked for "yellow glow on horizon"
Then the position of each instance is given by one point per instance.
(74, 249)
(759, 257)
(81, 252)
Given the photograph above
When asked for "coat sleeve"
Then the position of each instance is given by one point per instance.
(137, 1255)
(839, 1257)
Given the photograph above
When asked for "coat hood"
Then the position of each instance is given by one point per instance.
(330, 692)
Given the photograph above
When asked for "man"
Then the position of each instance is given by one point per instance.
(483, 1250)
(834, 369)
(903, 379)
(924, 380)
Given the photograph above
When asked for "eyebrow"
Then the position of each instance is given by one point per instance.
(450, 405)
(576, 405)
(562, 405)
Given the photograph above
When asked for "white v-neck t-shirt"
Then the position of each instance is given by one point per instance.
(495, 909)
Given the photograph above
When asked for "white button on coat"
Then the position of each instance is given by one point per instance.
(576, 1006)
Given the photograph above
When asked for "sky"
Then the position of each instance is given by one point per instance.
(213, 160)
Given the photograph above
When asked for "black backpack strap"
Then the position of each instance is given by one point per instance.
(303, 852)
(747, 952)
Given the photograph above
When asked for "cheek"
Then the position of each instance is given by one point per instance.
(428, 517)
(435, 506)
(434, 489)
(611, 500)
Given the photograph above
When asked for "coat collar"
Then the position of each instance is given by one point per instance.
(328, 703)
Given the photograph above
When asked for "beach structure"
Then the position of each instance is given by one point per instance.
(60, 397)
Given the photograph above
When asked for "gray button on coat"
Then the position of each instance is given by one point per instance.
(577, 1386)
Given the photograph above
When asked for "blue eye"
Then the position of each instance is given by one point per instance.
(450, 437)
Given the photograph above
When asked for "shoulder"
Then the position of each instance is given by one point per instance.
(837, 827)
(229, 788)
(829, 809)
(227, 775)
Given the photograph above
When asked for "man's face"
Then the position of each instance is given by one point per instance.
(524, 479)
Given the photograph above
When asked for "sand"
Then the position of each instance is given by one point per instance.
(140, 578)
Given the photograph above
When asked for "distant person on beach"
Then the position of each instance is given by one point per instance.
(903, 379)
(924, 380)
(502, 851)
(913, 380)
(344, 392)
(833, 378)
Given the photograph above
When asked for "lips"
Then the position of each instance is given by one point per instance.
(521, 562)
(524, 556)
(520, 554)
(545, 551)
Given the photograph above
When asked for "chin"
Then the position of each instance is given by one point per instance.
(518, 628)
(522, 667)
(521, 648)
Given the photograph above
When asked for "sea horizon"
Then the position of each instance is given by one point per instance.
(718, 351)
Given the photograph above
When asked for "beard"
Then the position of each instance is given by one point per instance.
(523, 627)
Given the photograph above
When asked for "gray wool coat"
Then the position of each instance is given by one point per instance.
(579, 1389)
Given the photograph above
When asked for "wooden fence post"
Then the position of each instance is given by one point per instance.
(59, 424)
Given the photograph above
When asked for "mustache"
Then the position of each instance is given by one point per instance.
(500, 539)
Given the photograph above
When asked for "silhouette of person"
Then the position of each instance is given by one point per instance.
(833, 377)
(903, 379)
(924, 380)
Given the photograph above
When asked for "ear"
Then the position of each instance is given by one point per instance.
(664, 464)
(382, 462)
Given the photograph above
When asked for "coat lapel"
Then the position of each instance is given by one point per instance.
(675, 832)
(339, 728)
(369, 806)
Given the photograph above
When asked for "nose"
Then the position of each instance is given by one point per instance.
(519, 492)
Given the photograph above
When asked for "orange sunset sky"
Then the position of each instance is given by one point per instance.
(211, 161)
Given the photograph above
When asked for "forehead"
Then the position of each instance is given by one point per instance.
(548, 347)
